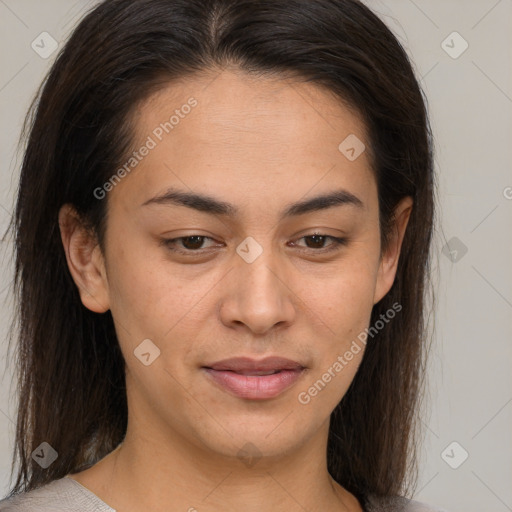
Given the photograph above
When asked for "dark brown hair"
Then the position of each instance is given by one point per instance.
(79, 130)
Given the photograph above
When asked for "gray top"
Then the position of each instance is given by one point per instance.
(67, 495)
(62, 495)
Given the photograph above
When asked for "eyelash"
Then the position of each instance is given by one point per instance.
(336, 244)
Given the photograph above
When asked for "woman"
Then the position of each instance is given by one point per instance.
(222, 233)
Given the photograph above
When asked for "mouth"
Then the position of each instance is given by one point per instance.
(247, 365)
(251, 373)
(254, 380)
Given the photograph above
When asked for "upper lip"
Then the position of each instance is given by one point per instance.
(246, 364)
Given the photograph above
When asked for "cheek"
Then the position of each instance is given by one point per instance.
(141, 287)
(151, 299)
(344, 306)
(343, 297)
(354, 302)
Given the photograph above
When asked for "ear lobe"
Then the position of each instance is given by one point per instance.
(389, 258)
(85, 261)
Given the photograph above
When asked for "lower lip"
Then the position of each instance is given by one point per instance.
(254, 387)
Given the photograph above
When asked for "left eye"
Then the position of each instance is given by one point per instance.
(193, 243)
(319, 239)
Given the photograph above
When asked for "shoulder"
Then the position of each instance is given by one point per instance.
(62, 495)
(398, 504)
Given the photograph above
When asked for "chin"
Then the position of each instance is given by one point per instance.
(246, 440)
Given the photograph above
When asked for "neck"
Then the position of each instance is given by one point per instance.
(154, 473)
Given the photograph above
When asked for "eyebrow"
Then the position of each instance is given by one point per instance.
(213, 206)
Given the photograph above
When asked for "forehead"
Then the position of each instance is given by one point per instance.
(233, 132)
(236, 103)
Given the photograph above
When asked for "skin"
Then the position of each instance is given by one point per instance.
(271, 142)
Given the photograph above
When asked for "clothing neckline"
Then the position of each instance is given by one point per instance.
(365, 501)
(362, 500)
(91, 494)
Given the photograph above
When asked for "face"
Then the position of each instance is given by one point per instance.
(254, 269)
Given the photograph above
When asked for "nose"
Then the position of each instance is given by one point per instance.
(257, 295)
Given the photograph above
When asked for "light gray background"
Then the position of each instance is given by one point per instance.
(470, 98)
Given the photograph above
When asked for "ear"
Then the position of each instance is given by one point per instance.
(389, 258)
(85, 260)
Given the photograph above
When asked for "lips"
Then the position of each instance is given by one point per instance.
(248, 366)
(252, 379)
